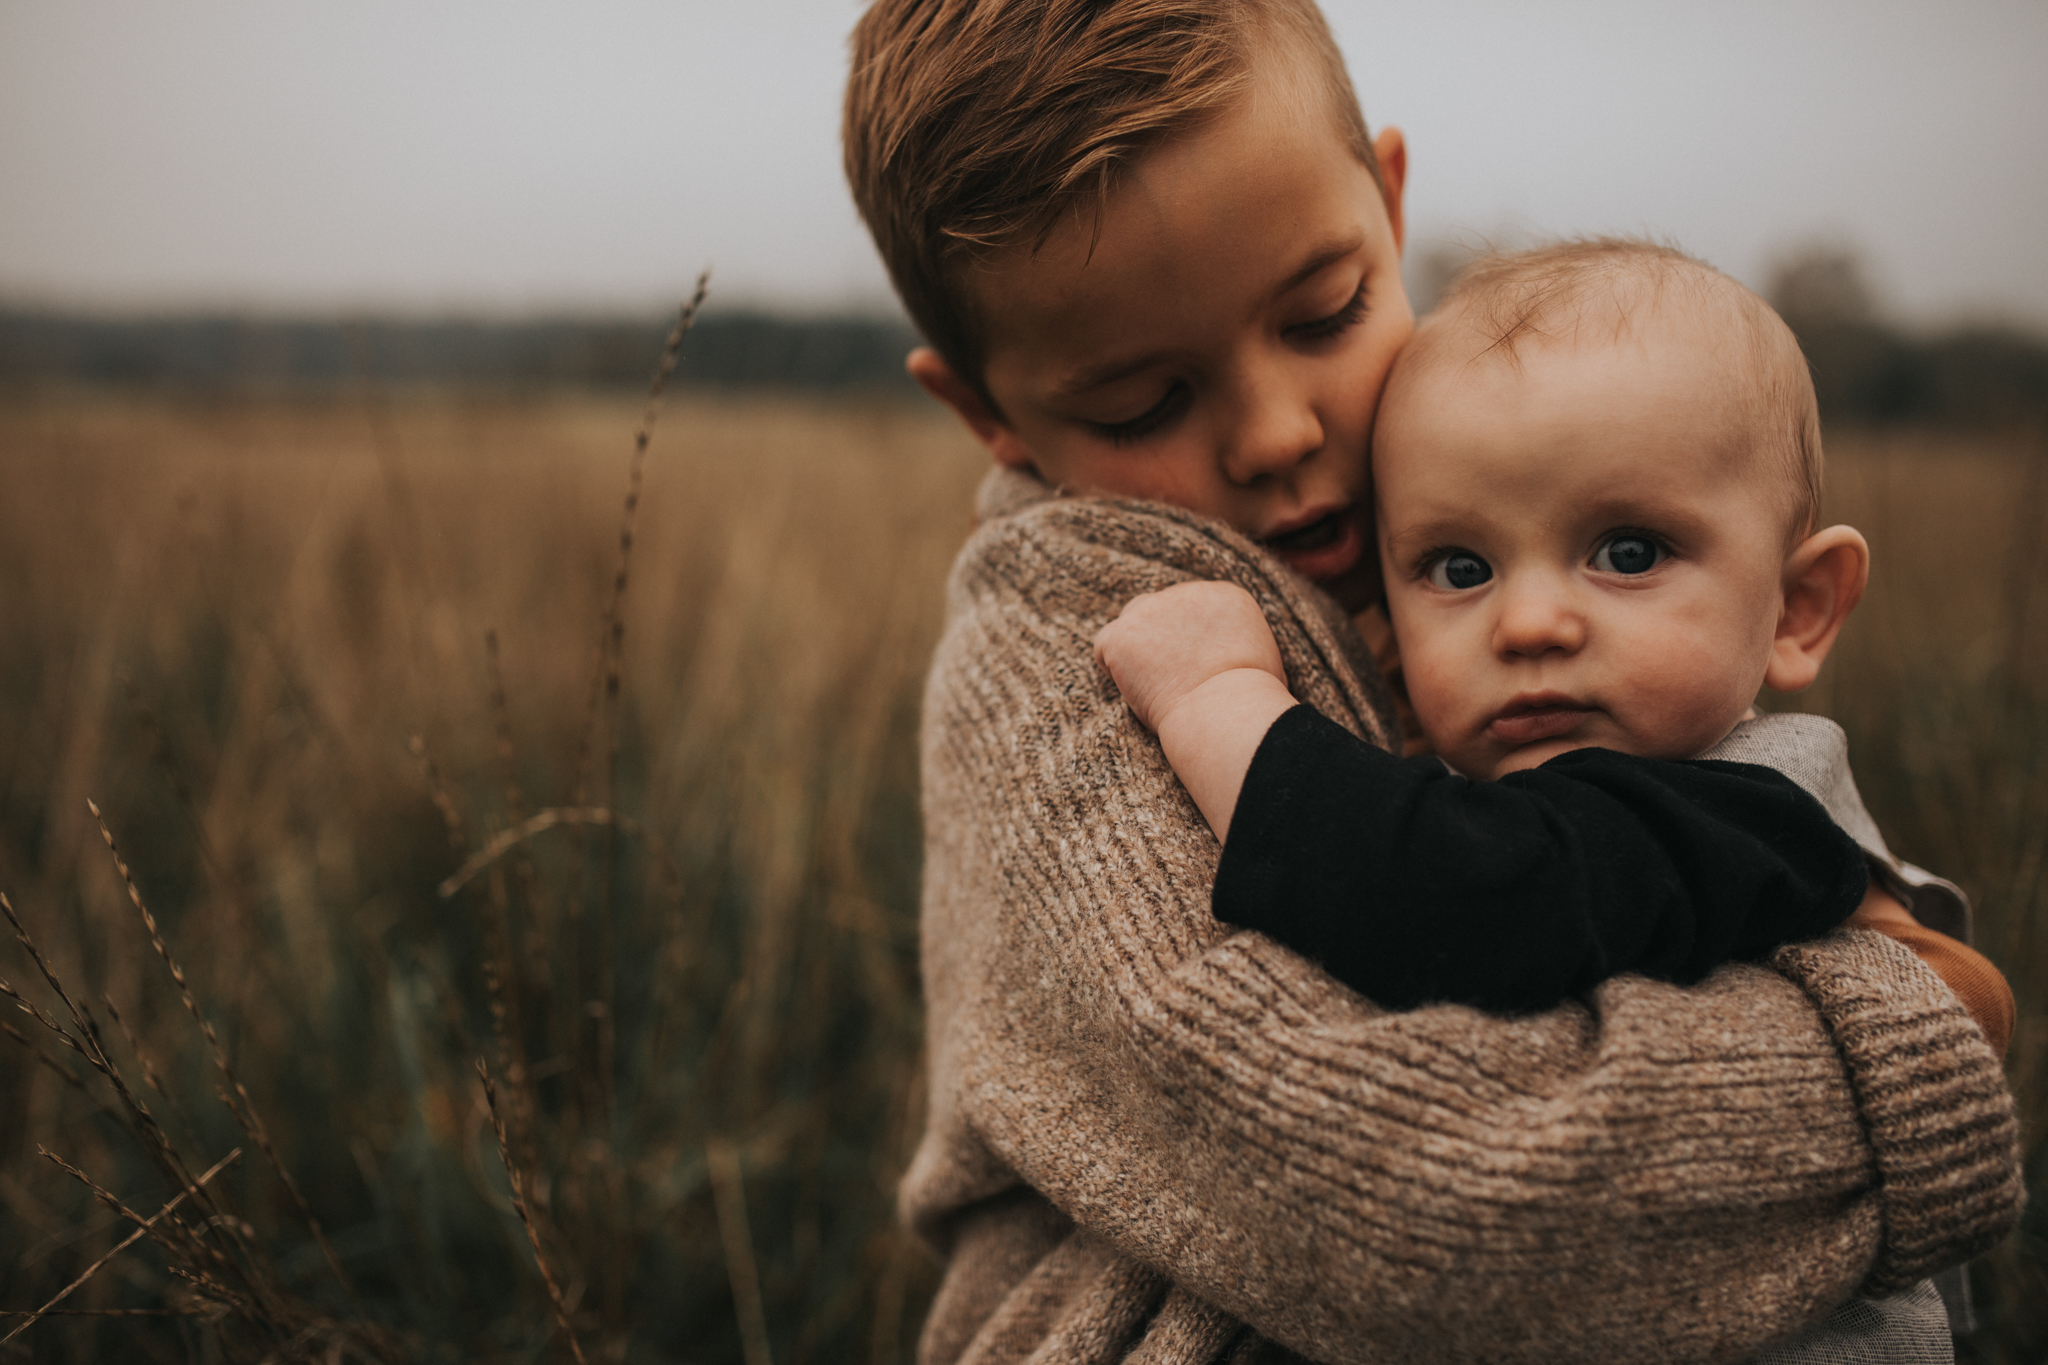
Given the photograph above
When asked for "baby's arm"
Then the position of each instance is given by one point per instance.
(1412, 884)
(1198, 666)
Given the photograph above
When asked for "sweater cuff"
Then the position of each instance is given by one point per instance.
(1932, 1096)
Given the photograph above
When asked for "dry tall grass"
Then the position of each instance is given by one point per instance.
(229, 622)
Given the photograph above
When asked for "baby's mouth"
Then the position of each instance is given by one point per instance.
(1538, 718)
(1316, 535)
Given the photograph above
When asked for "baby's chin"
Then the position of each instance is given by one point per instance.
(1522, 759)
(1492, 767)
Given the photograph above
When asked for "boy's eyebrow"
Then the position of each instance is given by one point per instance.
(1109, 372)
(1320, 259)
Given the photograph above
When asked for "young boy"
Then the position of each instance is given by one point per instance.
(1597, 474)
(1157, 256)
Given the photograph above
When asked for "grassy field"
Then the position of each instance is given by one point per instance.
(312, 658)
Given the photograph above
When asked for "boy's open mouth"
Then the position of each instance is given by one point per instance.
(1316, 535)
(1323, 550)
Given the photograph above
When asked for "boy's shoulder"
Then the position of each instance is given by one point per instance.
(1045, 570)
(1065, 553)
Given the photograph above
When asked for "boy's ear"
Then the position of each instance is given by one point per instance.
(1391, 150)
(1824, 580)
(937, 378)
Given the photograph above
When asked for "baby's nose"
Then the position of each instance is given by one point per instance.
(1537, 617)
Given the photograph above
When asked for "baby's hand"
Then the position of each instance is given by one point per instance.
(1167, 644)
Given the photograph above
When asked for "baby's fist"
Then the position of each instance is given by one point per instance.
(1166, 644)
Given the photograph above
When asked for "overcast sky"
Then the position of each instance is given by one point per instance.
(510, 156)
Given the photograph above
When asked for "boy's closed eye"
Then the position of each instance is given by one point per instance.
(1158, 417)
(1179, 393)
(1336, 324)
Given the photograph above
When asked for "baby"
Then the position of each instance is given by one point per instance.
(1596, 482)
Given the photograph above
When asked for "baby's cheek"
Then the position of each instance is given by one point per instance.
(1690, 709)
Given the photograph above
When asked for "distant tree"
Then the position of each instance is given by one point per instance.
(1867, 371)
(1863, 370)
(1822, 285)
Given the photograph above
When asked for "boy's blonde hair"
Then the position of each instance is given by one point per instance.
(1506, 300)
(976, 125)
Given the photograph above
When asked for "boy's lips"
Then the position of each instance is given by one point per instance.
(1320, 547)
(1538, 716)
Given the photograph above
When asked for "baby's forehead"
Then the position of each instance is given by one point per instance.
(1682, 310)
(1598, 341)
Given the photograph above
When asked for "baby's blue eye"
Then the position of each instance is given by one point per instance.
(1459, 570)
(1628, 554)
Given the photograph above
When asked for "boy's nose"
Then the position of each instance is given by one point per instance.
(1537, 617)
(1277, 429)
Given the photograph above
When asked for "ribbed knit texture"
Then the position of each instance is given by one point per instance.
(1145, 1132)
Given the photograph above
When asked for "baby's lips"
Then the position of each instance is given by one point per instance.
(1534, 723)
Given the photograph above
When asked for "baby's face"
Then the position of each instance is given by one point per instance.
(1221, 341)
(1583, 545)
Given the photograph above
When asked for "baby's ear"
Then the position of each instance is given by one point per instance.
(938, 379)
(1824, 580)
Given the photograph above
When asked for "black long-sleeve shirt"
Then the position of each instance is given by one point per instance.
(1412, 884)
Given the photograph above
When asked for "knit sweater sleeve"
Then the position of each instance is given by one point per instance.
(1652, 1173)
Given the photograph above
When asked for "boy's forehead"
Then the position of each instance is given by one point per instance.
(1249, 203)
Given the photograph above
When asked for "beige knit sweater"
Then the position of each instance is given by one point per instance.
(1152, 1139)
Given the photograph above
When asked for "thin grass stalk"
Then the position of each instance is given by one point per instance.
(223, 1246)
(552, 817)
(244, 1112)
(102, 1312)
(499, 973)
(179, 1240)
(135, 1115)
(64, 1073)
(604, 681)
(518, 1187)
(130, 1240)
(729, 1198)
(614, 659)
(538, 963)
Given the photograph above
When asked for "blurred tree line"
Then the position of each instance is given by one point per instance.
(1865, 371)
(730, 350)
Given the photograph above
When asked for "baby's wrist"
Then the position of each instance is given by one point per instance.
(1225, 698)
(1211, 734)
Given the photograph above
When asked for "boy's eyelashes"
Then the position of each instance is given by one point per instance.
(1178, 393)
(1337, 323)
(1145, 423)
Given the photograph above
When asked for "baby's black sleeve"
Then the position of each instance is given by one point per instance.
(1412, 884)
